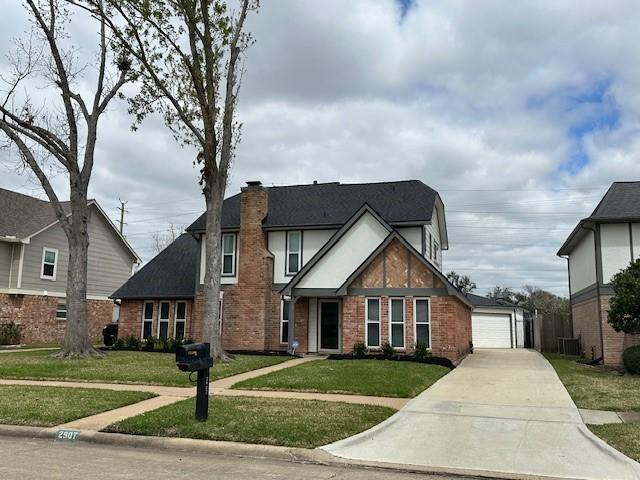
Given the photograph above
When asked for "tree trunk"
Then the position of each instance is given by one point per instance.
(77, 341)
(214, 194)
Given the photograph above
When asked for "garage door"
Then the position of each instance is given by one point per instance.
(491, 330)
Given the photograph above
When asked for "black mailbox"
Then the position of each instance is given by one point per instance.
(194, 357)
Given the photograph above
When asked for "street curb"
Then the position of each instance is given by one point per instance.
(235, 449)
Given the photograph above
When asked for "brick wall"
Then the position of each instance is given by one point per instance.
(586, 325)
(614, 342)
(36, 315)
(450, 325)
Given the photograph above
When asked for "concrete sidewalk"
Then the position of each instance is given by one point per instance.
(500, 411)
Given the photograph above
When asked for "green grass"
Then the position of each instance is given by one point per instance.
(291, 423)
(145, 368)
(597, 389)
(624, 437)
(49, 406)
(381, 378)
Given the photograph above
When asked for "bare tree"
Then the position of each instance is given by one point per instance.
(52, 138)
(161, 240)
(190, 56)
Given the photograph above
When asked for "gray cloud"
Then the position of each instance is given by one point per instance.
(480, 100)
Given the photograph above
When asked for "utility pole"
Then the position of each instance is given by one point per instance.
(122, 212)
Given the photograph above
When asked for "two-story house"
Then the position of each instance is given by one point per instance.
(325, 265)
(34, 255)
(599, 247)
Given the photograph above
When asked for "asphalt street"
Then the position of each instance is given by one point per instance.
(34, 459)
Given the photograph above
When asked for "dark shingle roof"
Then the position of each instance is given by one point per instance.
(171, 274)
(620, 203)
(334, 203)
(22, 215)
(479, 301)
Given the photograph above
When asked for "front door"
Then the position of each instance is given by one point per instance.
(329, 325)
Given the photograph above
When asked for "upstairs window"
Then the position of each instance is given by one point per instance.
(229, 254)
(294, 241)
(49, 264)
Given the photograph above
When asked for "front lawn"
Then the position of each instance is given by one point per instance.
(597, 389)
(147, 368)
(621, 436)
(291, 423)
(49, 406)
(381, 378)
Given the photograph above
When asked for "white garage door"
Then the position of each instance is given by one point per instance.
(491, 330)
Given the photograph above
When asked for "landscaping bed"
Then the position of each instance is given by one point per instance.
(624, 437)
(146, 368)
(49, 406)
(595, 388)
(360, 377)
(286, 422)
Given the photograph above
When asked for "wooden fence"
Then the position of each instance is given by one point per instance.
(551, 327)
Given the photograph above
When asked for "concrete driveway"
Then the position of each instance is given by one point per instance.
(499, 411)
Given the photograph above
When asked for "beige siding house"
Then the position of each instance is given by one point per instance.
(33, 267)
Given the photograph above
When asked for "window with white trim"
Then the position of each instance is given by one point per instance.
(147, 319)
(163, 320)
(422, 321)
(372, 315)
(49, 263)
(180, 319)
(396, 321)
(220, 312)
(284, 321)
(229, 254)
(61, 310)
(294, 248)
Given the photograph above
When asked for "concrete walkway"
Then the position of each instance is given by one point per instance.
(500, 411)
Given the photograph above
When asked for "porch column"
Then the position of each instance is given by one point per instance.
(292, 322)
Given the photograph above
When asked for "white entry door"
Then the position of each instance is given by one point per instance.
(491, 330)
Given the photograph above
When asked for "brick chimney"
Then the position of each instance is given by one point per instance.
(255, 269)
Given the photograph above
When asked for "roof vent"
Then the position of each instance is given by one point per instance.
(254, 183)
(315, 182)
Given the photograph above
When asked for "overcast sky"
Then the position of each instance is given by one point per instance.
(519, 113)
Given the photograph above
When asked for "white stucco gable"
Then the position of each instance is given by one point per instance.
(347, 254)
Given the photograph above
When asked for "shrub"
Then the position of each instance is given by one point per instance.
(132, 342)
(631, 359)
(359, 349)
(9, 334)
(119, 344)
(421, 351)
(150, 343)
(387, 350)
(624, 311)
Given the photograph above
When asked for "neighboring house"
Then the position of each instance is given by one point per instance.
(34, 256)
(599, 247)
(326, 265)
(496, 323)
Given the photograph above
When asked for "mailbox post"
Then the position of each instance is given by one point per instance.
(196, 357)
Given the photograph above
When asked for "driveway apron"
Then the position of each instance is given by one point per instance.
(499, 411)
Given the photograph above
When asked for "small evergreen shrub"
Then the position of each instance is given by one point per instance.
(631, 360)
(9, 334)
(119, 344)
(150, 344)
(387, 350)
(420, 351)
(359, 349)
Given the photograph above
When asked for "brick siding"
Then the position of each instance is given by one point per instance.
(36, 316)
